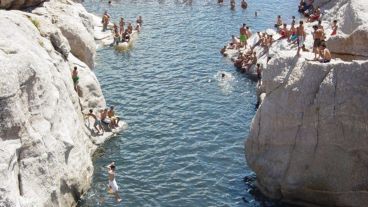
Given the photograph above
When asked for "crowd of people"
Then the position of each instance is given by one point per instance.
(120, 33)
(294, 33)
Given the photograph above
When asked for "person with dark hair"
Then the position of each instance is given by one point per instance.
(317, 36)
(244, 4)
(113, 186)
(97, 124)
(259, 71)
(324, 53)
(301, 36)
(75, 78)
(278, 22)
(232, 4)
(334, 28)
(243, 36)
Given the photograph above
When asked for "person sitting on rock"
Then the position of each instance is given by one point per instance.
(223, 50)
(253, 60)
(315, 16)
(334, 28)
(75, 78)
(235, 41)
(105, 119)
(244, 4)
(292, 33)
(105, 21)
(284, 32)
(114, 119)
(97, 124)
(324, 53)
(278, 22)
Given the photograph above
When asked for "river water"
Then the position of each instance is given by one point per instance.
(185, 141)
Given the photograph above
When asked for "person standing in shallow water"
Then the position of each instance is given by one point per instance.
(113, 186)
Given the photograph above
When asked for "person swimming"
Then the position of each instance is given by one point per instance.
(244, 4)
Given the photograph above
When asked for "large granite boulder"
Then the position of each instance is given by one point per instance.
(45, 150)
(308, 140)
(76, 25)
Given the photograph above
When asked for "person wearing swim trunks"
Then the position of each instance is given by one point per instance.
(75, 78)
(113, 186)
(292, 33)
(105, 21)
(244, 4)
(278, 22)
(317, 36)
(97, 124)
(105, 119)
(114, 119)
(324, 53)
(301, 36)
(243, 36)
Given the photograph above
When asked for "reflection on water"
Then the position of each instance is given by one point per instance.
(187, 125)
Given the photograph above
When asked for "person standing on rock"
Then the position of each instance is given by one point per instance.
(113, 186)
(317, 36)
(301, 36)
(121, 24)
(75, 78)
(105, 21)
(243, 36)
(97, 124)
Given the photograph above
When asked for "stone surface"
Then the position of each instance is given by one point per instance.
(45, 146)
(76, 25)
(308, 141)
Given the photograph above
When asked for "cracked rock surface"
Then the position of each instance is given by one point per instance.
(309, 139)
(45, 147)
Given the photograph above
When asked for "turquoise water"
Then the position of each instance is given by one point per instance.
(185, 141)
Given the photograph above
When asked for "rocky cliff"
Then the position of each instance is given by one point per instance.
(309, 139)
(45, 147)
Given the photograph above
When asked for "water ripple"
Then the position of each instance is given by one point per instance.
(184, 145)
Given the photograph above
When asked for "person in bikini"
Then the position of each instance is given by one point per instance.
(113, 186)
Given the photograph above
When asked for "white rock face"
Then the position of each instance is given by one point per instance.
(308, 141)
(76, 25)
(45, 148)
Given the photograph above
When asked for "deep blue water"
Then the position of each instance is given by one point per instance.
(185, 141)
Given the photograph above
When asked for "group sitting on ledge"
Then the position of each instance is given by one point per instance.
(104, 119)
(295, 35)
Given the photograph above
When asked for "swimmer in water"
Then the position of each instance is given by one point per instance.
(223, 75)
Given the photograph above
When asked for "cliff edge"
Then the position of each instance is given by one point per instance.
(309, 139)
(45, 146)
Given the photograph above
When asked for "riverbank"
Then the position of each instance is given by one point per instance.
(308, 137)
(46, 142)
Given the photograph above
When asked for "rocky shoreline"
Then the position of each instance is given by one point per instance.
(307, 142)
(46, 143)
